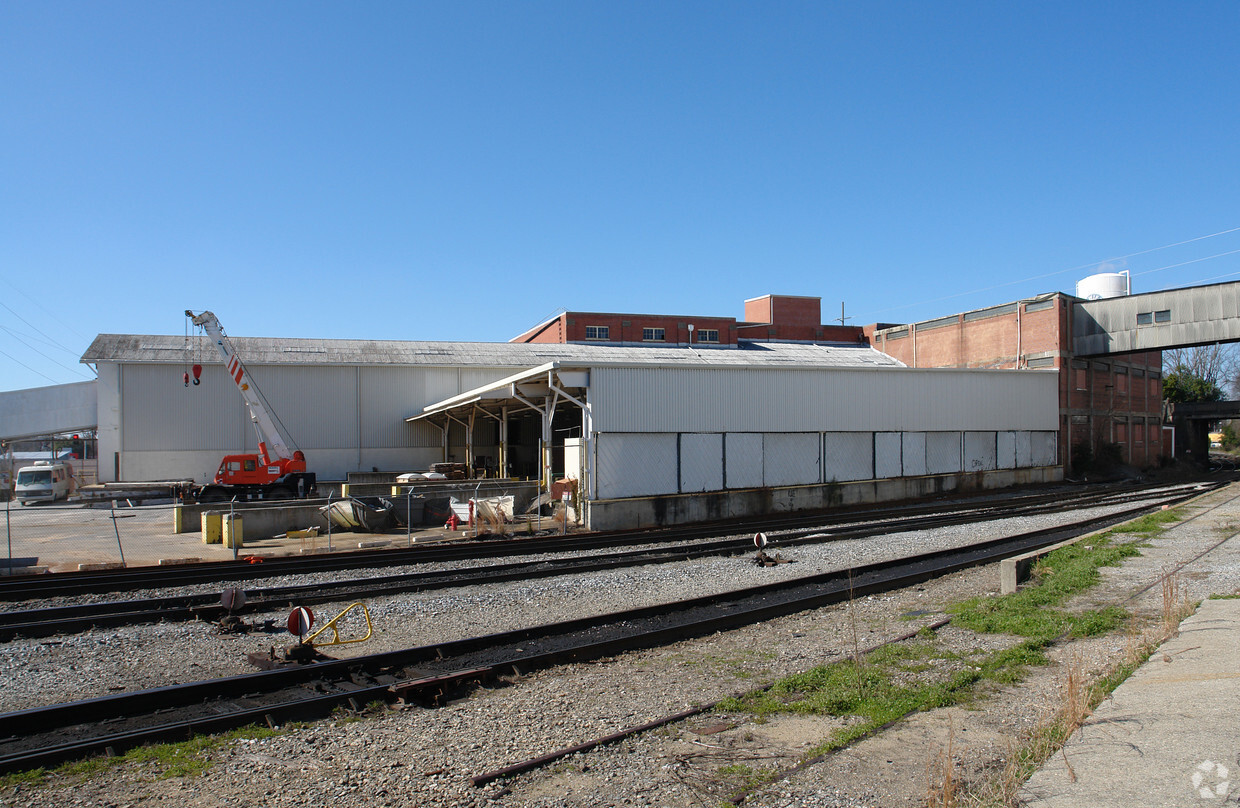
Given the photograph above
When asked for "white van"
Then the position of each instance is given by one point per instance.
(44, 481)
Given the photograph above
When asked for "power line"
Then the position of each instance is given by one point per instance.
(40, 353)
(32, 370)
(1077, 268)
(35, 327)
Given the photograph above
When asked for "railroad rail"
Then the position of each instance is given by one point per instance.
(69, 584)
(69, 619)
(49, 735)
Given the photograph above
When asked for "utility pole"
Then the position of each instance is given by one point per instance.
(842, 317)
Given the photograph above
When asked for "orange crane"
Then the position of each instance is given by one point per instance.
(278, 471)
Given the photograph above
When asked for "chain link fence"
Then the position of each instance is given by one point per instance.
(60, 537)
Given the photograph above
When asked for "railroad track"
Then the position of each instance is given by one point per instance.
(50, 735)
(70, 584)
(69, 619)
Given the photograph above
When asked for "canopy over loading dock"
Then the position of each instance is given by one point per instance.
(663, 443)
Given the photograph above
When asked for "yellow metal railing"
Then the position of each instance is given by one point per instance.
(331, 624)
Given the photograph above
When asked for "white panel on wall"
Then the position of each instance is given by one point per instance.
(1044, 448)
(1005, 450)
(887, 462)
(848, 456)
(913, 453)
(636, 464)
(790, 458)
(942, 452)
(743, 459)
(1024, 450)
(979, 451)
(701, 462)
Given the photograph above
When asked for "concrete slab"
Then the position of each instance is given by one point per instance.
(1168, 736)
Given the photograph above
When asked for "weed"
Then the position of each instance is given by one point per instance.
(185, 759)
(1029, 612)
(744, 777)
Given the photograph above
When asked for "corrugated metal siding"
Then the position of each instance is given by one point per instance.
(701, 462)
(913, 449)
(317, 405)
(161, 414)
(979, 451)
(848, 456)
(791, 458)
(830, 400)
(385, 400)
(636, 465)
(887, 461)
(1005, 450)
(743, 451)
(942, 452)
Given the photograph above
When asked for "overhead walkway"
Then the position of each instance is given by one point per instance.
(41, 411)
(1157, 321)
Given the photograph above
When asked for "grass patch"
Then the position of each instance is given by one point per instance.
(185, 759)
(1150, 524)
(1030, 611)
(743, 777)
(883, 686)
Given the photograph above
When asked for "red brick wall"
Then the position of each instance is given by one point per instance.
(1097, 402)
(785, 310)
(629, 327)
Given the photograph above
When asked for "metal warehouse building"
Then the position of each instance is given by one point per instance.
(654, 435)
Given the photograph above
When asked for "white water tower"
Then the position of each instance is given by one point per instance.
(1104, 285)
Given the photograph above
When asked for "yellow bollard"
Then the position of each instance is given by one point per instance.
(211, 527)
(233, 534)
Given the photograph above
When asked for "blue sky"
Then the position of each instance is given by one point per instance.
(463, 170)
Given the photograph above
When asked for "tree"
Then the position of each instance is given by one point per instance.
(1182, 387)
(1196, 374)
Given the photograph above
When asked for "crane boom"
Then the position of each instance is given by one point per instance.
(272, 444)
(278, 464)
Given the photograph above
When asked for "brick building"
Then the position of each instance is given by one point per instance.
(770, 317)
(1112, 400)
(1105, 400)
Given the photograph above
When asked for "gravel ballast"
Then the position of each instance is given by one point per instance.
(425, 757)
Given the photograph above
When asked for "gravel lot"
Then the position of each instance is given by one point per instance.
(425, 757)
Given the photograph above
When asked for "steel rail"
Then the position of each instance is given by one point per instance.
(68, 619)
(481, 658)
(65, 584)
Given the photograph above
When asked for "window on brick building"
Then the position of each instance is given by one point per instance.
(708, 335)
(653, 334)
(598, 332)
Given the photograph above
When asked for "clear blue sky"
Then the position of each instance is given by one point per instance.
(462, 170)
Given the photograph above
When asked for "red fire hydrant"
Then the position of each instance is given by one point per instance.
(453, 522)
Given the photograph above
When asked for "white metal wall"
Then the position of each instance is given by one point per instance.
(701, 462)
(727, 399)
(743, 460)
(887, 455)
(344, 418)
(632, 464)
(791, 458)
(850, 455)
(980, 451)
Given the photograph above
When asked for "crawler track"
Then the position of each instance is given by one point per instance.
(49, 735)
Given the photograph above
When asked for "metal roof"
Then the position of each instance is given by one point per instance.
(137, 348)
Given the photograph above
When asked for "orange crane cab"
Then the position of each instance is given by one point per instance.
(278, 470)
